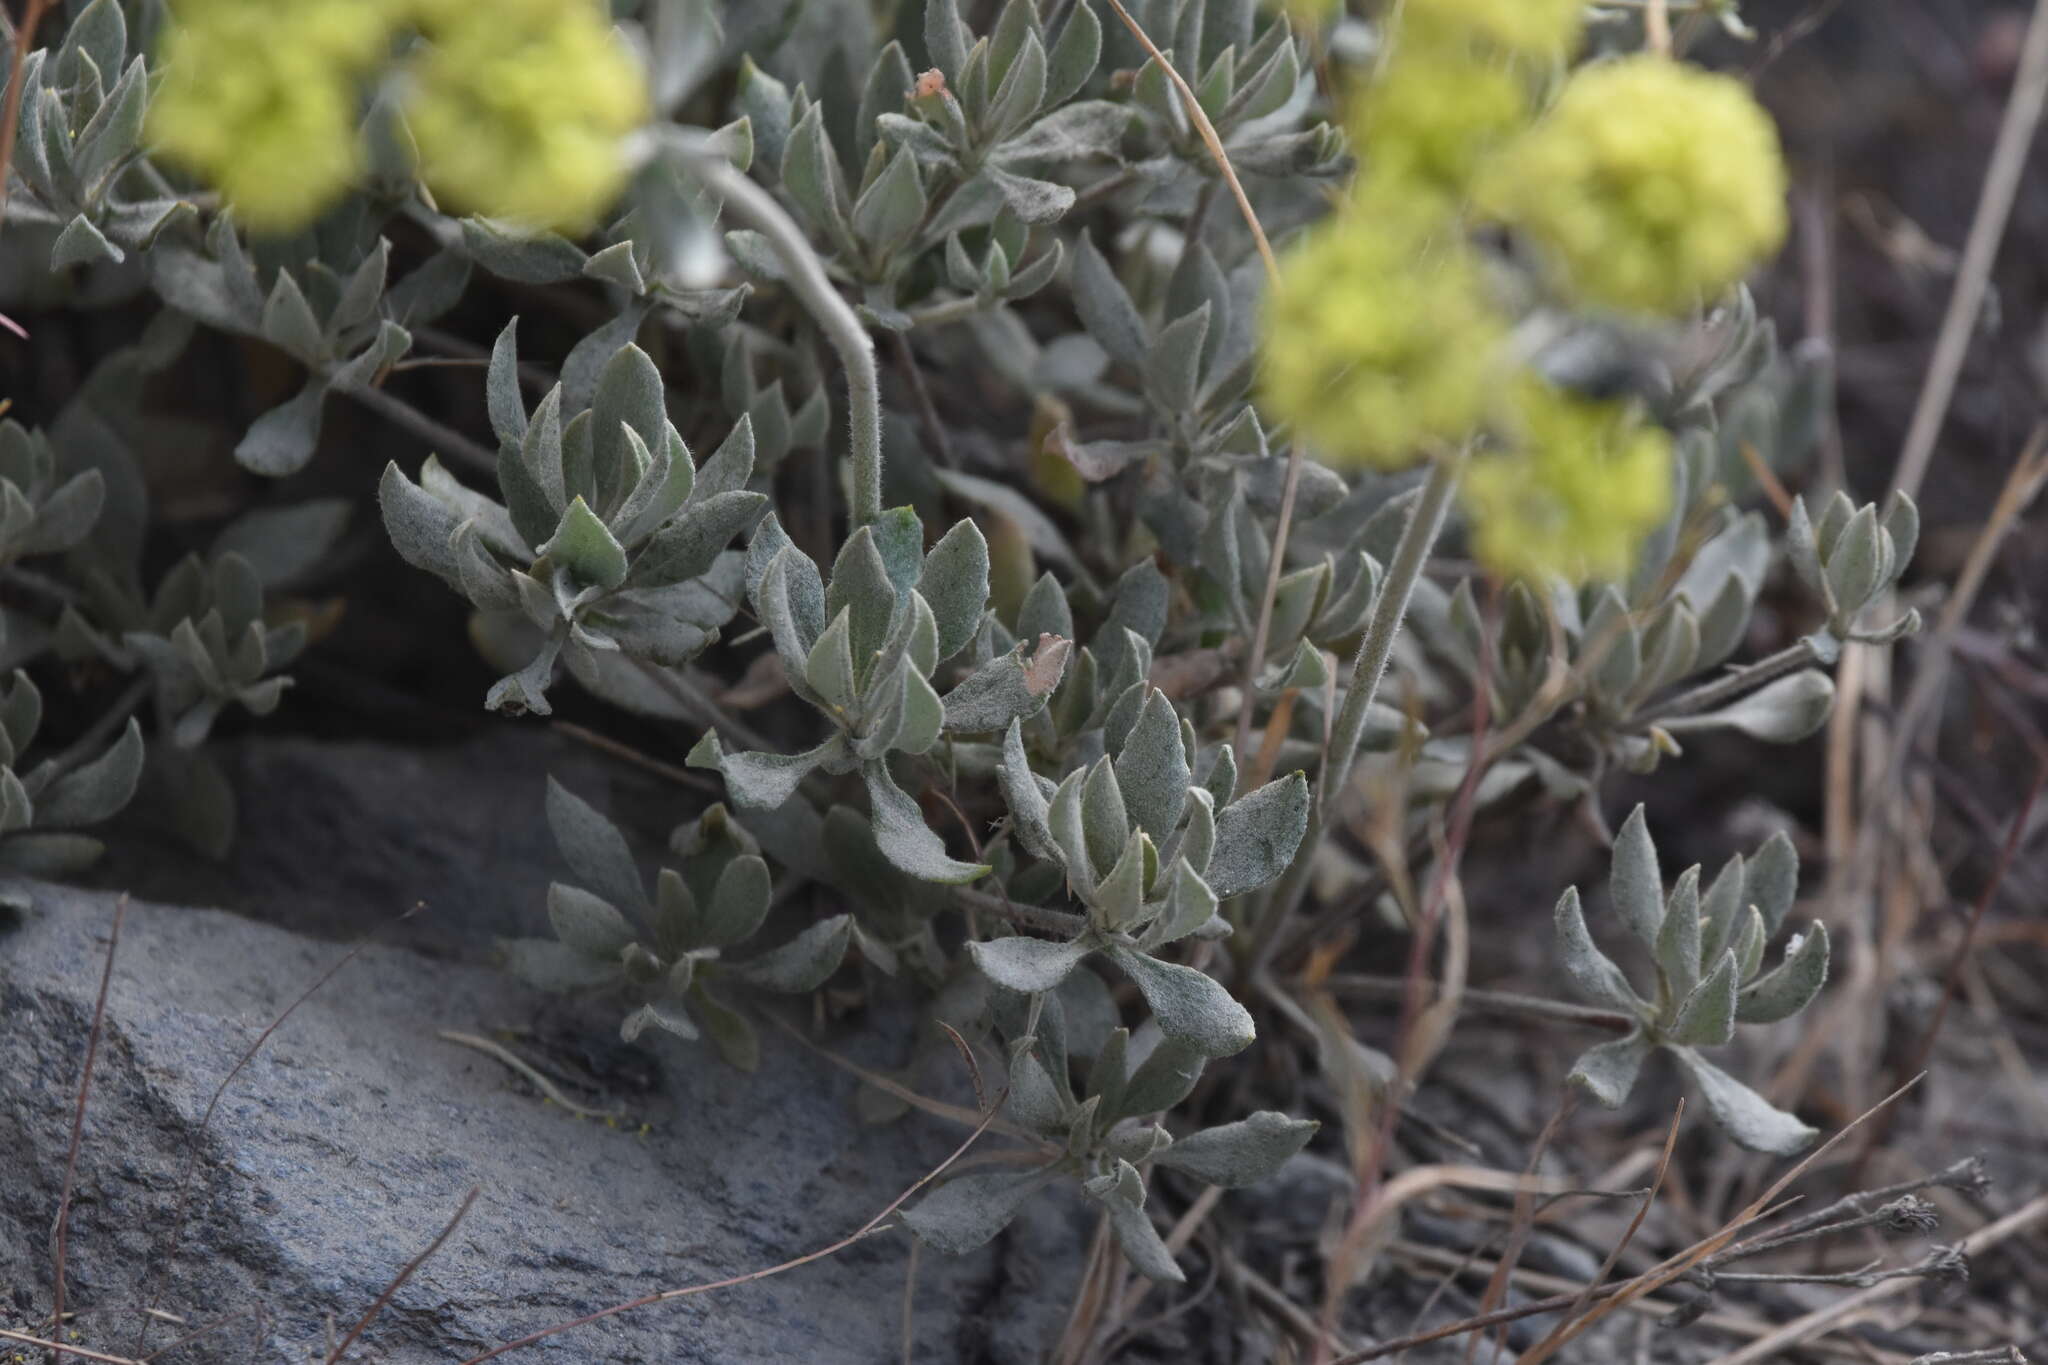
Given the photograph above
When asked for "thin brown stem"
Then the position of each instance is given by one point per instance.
(10, 117)
(167, 1253)
(1987, 229)
(398, 1280)
(62, 1232)
(668, 1295)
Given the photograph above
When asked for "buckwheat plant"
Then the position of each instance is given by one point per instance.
(1709, 948)
(1034, 603)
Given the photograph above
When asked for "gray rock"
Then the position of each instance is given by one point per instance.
(346, 1144)
(337, 838)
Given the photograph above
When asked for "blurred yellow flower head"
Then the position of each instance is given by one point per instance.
(519, 108)
(1648, 183)
(1379, 337)
(1522, 28)
(1579, 486)
(1432, 114)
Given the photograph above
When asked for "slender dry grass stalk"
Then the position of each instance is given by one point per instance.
(61, 1233)
(398, 1280)
(688, 1291)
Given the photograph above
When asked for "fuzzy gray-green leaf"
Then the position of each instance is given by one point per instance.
(594, 848)
(1152, 769)
(904, 837)
(1235, 1155)
(889, 211)
(1789, 987)
(1026, 964)
(738, 903)
(1678, 939)
(1770, 879)
(1855, 565)
(1706, 1017)
(585, 546)
(1173, 365)
(1783, 712)
(1188, 1004)
(96, 790)
(1029, 816)
(954, 584)
(1635, 882)
(1257, 836)
(686, 548)
(1591, 970)
(1141, 1243)
(760, 781)
(590, 924)
(968, 1211)
(554, 966)
(1074, 57)
(1743, 1114)
(1607, 1071)
(1106, 308)
(829, 669)
(802, 964)
(1007, 688)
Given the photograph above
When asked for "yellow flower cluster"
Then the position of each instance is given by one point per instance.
(1649, 184)
(1379, 339)
(262, 97)
(1583, 484)
(523, 121)
(1430, 118)
(519, 108)
(1522, 28)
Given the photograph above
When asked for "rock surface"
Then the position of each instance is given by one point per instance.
(336, 839)
(346, 1144)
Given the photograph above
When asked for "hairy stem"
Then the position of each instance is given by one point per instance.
(755, 207)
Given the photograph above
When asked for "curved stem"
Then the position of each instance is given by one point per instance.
(755, 207)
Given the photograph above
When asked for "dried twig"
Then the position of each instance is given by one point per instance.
(1634, 1224)
(687, 1291)
(1987, 230)
(526, 1070)
(10, 117)
(1821, 1320)
(61, 1233)
(398, 1280)
(26, 1339)
(167, 1253)
(1664, 1273)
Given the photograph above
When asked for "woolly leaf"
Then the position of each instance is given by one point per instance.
(1239, 1154)
(1770, 880)
(903, 836)
(1608, 1071)
(1026, 964)
(1188, 1004)
(1257, 836)
(1634, 882)
(802, 964)
(1706, 1018)
(1791, 986)
(1591, 970)
(1152, 769)
(594, 848)
(1743, 1114)
(590, 924)
(968, 1211)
